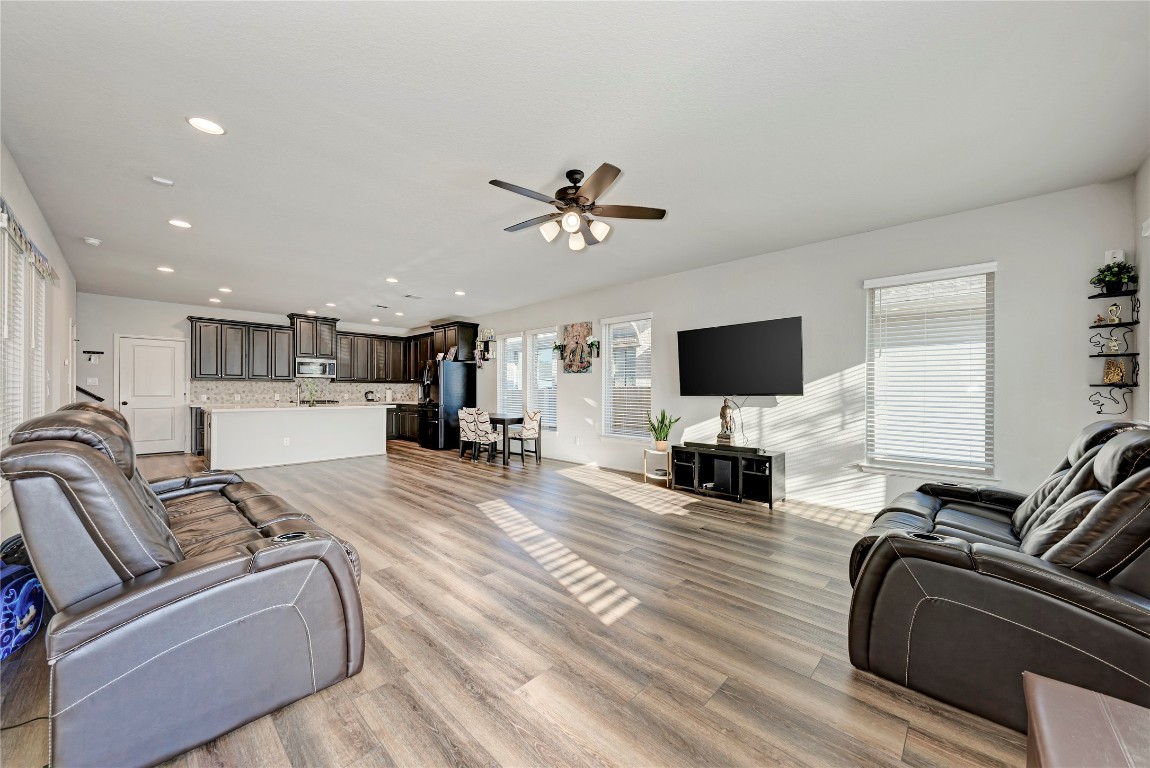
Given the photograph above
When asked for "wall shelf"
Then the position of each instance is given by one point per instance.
(1111, 397)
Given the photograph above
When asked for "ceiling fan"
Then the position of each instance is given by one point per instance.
(576, 204)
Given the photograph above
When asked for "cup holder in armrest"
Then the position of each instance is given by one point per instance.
(290, 536)
(924, 536)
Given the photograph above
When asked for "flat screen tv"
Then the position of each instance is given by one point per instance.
(764, 358)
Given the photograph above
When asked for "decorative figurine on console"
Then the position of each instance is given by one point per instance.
(727, 423)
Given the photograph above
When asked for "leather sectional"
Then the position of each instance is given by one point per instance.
(959, 590)
(185, 607)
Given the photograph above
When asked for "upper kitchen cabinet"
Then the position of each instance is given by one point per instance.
(396, 359)
(462, 336)
(270, 352)
(361, 359)
(344, 357)
(314, 336)
(219, 349)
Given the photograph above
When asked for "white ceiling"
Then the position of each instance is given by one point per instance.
(361, 136)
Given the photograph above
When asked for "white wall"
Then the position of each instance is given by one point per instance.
(1046, 247)
(102, 317)
(61, 307)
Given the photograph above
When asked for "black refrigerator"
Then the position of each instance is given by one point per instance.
(451, 386)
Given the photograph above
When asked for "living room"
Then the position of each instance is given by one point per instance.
(346, 177)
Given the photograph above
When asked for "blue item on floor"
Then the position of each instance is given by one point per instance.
(21, 598)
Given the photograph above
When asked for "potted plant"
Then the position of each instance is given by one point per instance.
(1113, 277)
(661, 429)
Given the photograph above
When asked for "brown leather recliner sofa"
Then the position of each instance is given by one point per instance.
(959, 590)
(185, 607)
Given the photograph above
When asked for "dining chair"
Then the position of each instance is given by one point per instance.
(475, 432)
(531, 430)
(487, 436)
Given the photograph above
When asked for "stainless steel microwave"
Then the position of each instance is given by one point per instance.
(314, 368)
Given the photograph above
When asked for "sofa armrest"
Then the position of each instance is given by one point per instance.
(105, 611)
(973, 494)
(183, 485)
(1086, 592)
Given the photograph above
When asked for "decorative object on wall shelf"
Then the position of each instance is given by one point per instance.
(593, 343)
(575, 348)
(483, 346)
(1114, 344)
(1114, 372)
(660, 428)
(1113, 277)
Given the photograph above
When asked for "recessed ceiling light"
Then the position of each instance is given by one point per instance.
(179, 223)
(206, 125)
(329, 304)
(165, 269)
(163, 182)
(92, 241)
(225, 290)
(311, 311)
(392, 280)
(214, 300)
(461, 293)
(375, 319)
(399, 314)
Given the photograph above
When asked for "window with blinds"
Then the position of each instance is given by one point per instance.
(930, 372)
(15, 386)
(542, 376)
(626, 354)
(510, 388)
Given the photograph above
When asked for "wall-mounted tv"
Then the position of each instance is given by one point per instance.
(764, 358)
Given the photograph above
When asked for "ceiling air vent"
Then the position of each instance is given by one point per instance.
(411, 296)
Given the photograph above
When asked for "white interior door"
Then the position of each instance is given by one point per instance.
(153, 393)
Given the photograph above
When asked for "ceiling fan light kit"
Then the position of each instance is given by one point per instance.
(577, 203)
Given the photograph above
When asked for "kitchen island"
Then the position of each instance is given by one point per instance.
(246, 437)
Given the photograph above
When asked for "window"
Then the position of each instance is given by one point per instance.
(542, 375)
(511, 374)
(930, 371)
(22, 340)
(626, 376)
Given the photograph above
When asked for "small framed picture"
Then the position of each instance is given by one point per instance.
(451, 353)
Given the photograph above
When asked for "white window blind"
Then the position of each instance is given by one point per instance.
(626, 376)
(36, 321)
(511, 374)
(542, 376)
(12, 346)
(930, 372)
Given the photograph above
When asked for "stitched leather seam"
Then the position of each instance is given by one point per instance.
(214, 536)
(51, 703)
(907, 565)
(909, 632)
(95, 528)
(1113, 535)
(310, 656)
(147, 591)
(111, 498)
(1073, 583)
(1051, 637)
(185, 512)
(1072, 602)
(169, 650)
(285, 518)
(148, 612)
(1114, 732)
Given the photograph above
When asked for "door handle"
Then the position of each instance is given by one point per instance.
(123, 402)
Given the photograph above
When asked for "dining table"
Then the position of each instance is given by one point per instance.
(502, 421)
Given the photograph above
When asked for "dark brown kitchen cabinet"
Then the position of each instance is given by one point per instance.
(379, 359)
(205, 349)
(420, 349)
(462, 336)
(395, 369)
(361, 358)
(270, 353)
(234, 351)
(314, 336)
(344, 357)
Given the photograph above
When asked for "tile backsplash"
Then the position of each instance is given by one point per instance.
(219, 392)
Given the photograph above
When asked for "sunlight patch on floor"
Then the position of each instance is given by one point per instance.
(653, 498)
(846, 519)
(586, 583)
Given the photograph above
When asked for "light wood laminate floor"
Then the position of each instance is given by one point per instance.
(561, 615)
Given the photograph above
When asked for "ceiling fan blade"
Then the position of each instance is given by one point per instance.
(597, 183)
(532, 222)
(628, 212)
(524, 191)
(585, 228)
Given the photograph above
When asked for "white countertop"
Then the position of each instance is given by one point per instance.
(228, 407)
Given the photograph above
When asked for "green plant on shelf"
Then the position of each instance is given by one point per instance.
(1114, 273)
(661, 428)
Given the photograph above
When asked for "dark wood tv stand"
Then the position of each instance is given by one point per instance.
(734, 472)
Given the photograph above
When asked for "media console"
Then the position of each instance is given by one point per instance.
(733, 472)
